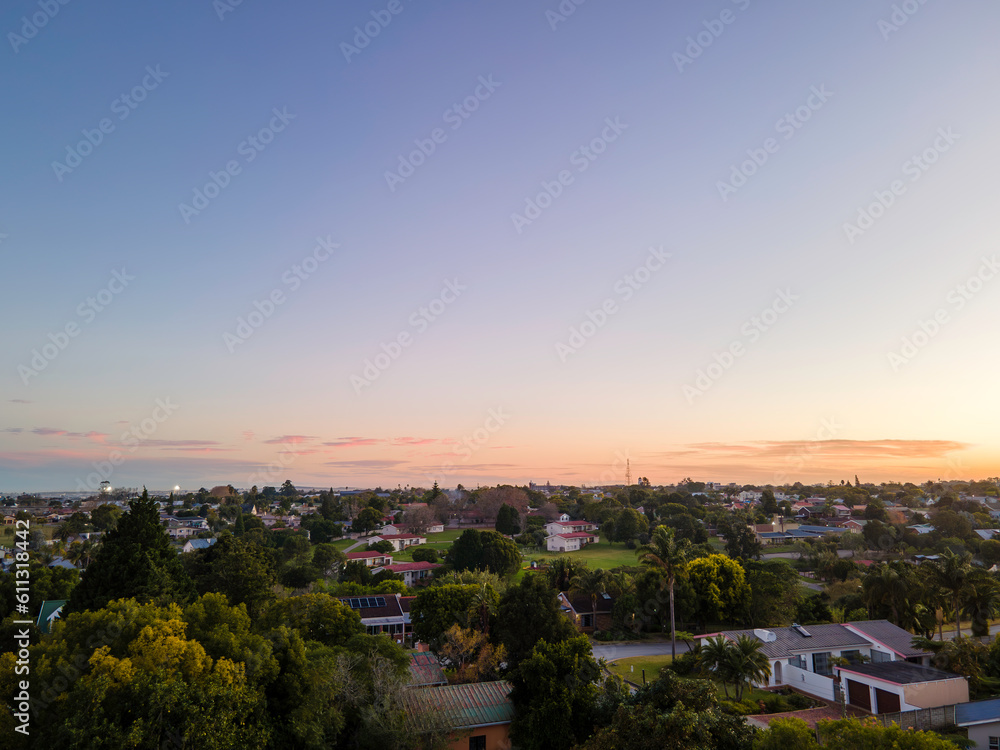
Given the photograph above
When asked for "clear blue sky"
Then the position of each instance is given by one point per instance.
(502, 293)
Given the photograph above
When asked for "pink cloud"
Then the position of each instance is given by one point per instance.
(291, 439)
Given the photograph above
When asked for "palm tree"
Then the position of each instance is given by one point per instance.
(747, 663)
(713, 657)
(590, 583)
(886, 583)
(671, 557)
(951, 572)
(981, 601)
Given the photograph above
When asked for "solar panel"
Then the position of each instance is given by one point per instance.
(380, 601)
(802, 631)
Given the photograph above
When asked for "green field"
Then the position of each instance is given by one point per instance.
(631, 668)
(601, 555)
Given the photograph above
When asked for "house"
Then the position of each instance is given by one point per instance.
(569, 527)
(580, 611)
(854, 525)
(894, 686)
(570, 542)
(479, 714)
(435, 528)
(400, 542)
(192, 545)
(392, 529)
(982, 720)
(412, 572)
(922, 528)
(371, 559)
(389, 614)
(801, 657)
(988, 533)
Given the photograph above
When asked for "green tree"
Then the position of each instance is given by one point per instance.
(484, 550)
(555, 695)
(508, 520)
(774, 592)
(741, 541)
(424, 554)
(786, 734)
(367, 520)
(288, 489)
(951, 573)
(768, 504)
(720, 583)
(869, 734)
(747, 663)
(241, 569)
(327, 558)
(105, 516)
(437, 608)
(136, 561)
(527, 613)
(665, 553)
(317, 617)
(629, 524)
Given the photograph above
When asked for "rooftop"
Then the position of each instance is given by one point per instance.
(460, 706)
(901, 672)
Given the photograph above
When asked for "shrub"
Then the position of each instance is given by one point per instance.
(425, 554)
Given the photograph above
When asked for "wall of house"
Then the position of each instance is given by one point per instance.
(497, 737)
(933, 694)
(981, 733)
(809, 682)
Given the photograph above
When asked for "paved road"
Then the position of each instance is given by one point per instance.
(795, 555)
(612, 651)
(362, 543)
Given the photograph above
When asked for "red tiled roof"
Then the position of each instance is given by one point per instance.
(575, 535)
(365, 555)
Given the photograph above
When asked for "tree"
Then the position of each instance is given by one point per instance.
(629, 524)
(317, 617)
(741, 541)
(562, 570)
(981, 601)
(437, 608)
(367, 520)
(672, 713)
(471, 655)
(136, 561)
(720, 583)
(105, 516)
(665, 553)
(774, 592)
(747, 662)
(484, 550)
(424, 554)
(555, 695)
(288, 490)
(508, 520)
(950, 572)
(870, 734)
(527, 613)
(241, 569)
(786, 734)
(890, 584)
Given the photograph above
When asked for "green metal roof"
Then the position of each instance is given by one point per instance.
(460, 706)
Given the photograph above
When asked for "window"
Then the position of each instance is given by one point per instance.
(994, 743)
(478, 742)
(821, 664)
(854, 657)
(880, 656)
(798, 661)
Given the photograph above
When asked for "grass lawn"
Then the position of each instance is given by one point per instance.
(631, 668)
(439, 542)
(601, 555)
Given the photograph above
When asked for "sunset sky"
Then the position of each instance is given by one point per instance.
(359, 244)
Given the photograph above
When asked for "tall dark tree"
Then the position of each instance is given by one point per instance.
(136, 561)
(508, 520)
(528, 613)
(484, 550)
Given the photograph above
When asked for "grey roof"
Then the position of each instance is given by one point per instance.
(977, 712)
(822, 529)
(890, 635)
(987, 533)
(901, 672)
(201, 543)
(789, 641)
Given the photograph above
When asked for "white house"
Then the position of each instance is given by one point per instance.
(570, 542)
(371, 559)
(413, 572)
(569, 527)
(801, 656)
(400, 541)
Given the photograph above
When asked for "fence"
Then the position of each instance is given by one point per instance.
(922, 718)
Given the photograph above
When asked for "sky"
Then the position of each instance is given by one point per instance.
(392, 243)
